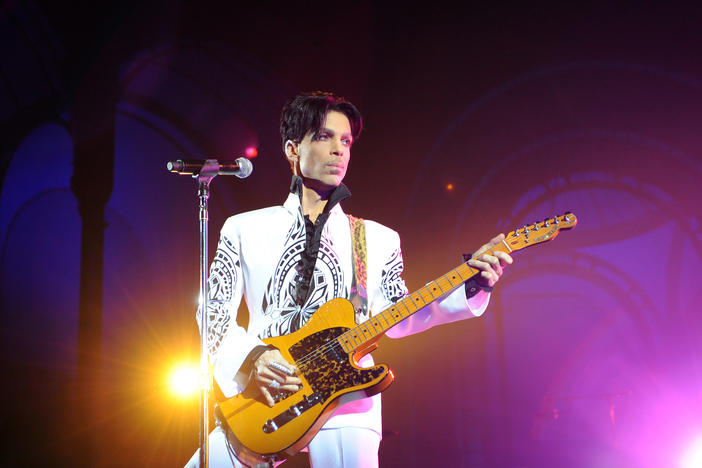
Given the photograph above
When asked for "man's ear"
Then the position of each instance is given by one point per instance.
(291, 152)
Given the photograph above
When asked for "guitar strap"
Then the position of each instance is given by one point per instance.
(359, 292)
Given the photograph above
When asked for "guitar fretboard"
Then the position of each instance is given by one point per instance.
(518, 239)
(361, 334)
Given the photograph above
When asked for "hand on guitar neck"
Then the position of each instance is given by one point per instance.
(270, 376)
(491, 265)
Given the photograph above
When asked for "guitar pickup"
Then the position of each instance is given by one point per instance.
(292, 412)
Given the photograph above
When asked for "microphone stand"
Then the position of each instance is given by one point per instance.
(204, 172)
(204, 178)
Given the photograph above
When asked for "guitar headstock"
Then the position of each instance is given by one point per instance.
(540, 232)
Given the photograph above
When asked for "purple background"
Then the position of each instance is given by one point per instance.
(589, 354)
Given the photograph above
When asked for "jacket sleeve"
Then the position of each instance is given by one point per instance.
(391, 287)
(229, 344)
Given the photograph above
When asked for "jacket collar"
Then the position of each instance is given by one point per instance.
(294, 203)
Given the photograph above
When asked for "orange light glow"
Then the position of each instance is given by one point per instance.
(184, 380)
(449, 187)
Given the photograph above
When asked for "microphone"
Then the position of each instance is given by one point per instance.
(241, 168)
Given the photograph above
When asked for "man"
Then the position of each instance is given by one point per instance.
(289, 260)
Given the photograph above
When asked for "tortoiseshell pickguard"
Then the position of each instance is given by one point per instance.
(328, 369)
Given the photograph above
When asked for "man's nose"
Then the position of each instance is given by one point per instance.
(337, 147)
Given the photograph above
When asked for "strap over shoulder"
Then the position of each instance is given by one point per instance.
(359, 294)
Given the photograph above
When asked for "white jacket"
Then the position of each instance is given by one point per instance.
(256, 258)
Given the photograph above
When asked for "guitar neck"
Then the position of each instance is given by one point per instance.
(370, 330)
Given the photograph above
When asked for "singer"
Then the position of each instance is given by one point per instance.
(289, 260)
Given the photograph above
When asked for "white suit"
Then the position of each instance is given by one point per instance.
(257, 256)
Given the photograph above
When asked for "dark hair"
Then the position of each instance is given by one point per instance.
(305, 112)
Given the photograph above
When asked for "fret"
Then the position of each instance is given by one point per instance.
(467, 272)
(454, 279)
(353, 335)
(404, 303)
(369, 330)
(509, 249)
(463, 280)
(396, 314)
(387, 322)
(427, 295)
(416, 297)
(375, 323)
(433, 288)
(345, 343)
(362, 331)
(446, 284)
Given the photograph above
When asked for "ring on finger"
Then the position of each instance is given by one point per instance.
(275, 385)
(283, 369)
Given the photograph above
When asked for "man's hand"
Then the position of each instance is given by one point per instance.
(491, 266)
(270, 375)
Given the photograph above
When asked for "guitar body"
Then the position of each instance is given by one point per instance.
(329, 376)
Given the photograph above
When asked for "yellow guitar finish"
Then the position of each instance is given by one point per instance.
(247, 413)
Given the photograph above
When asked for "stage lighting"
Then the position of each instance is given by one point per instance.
(693, 455)
(251, 152)
(185, 381)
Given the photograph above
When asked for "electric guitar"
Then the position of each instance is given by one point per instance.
(326, 351)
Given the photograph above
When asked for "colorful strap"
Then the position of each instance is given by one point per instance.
(359, 294)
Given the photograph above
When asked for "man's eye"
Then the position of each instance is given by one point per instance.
(322, 136)
(346, 142)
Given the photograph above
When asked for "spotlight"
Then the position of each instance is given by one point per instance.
(185, 381)
(693, 455)
(251, 152)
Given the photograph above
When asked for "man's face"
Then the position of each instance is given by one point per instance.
(322, 160)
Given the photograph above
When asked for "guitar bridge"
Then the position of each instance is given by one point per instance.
(292, 412)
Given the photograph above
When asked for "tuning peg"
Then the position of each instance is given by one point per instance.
(546, 222)
(555, 220)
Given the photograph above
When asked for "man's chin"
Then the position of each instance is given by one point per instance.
(323, 185)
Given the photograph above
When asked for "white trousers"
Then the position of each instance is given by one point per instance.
(348, 447)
